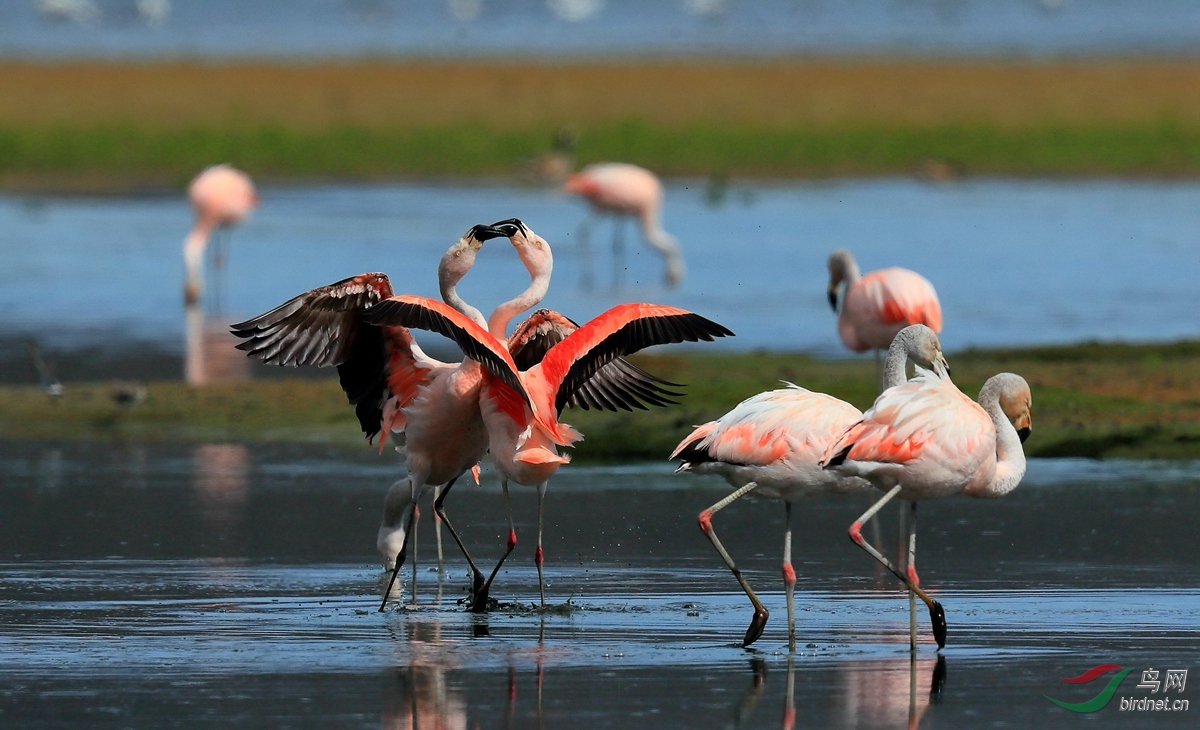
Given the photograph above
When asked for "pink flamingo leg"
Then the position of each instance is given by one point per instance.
(538, 557)
(479, 604)
(937, 614)
(760, 611)
(911, 572)
(789, 577)
(416, 516)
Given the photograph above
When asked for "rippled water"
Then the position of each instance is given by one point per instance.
(1013, 261)
(145, 585)
(224, 28)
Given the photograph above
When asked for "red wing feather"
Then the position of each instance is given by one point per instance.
(620, 331)
(434, 316)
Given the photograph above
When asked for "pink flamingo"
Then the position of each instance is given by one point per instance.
(625, 190)
(769, 445)
(924, 439)
(880, 304)
(521, 407)
(221, 197)
(394, 386)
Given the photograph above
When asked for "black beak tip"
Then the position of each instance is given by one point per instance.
(937, 617)
(833, 299)
(1023, 433)
(755, 630)
(485, 233)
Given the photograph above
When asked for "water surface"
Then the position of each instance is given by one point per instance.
(220, 584)
(1014, 262)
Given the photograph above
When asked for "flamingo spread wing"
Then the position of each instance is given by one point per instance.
(619, 385)
(434, 316)
(380, 368)
(620, 331)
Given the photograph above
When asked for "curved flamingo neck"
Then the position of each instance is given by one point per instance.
(450, 296)
(895, 368)
(539, 284)
(1010, 457)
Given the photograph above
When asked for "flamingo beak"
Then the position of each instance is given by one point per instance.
(483, 233)
(1024, 425)
(832, 293)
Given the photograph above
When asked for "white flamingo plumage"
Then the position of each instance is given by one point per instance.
(770, 445)
(625, 190)
(221, 196)
(925, 439)
(879, 304)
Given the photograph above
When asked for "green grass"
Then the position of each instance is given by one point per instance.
(126, 155)
(1096, 400)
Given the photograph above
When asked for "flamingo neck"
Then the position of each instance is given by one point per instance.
(497, 324)
(1010, 457)
(664, 243)
(450, 296)
(193, 258)
(895, 368)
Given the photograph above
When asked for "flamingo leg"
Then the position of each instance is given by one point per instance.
(412, 536)
(937, 615)
(911, 572)
(440, 511)
(583, 236)
(437, 527)
(479, 603)
(538, 557)
(789, 577)
(399, 560)
(705, 519)
(618, 251)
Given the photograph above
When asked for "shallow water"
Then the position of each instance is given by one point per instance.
(1014, 262)
(149, 585)
(340, 28)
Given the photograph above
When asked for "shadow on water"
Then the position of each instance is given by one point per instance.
(218, 584)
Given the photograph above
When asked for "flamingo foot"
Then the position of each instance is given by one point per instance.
(757, 624)
(937, 616)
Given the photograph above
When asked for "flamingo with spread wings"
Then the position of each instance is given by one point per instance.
(394, 386)
(521, 408)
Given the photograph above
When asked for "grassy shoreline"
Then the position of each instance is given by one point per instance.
(90, 127)
(1096, 401)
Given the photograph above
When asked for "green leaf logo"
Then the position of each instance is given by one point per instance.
(1099, 700)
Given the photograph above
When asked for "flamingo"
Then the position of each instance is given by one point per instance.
(521, 407)
(925, 439)
(769, 445)
(625, 190)
(878, 305)
(221, 197)
(394, 386)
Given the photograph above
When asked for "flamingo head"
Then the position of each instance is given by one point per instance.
(922, 346)
(1017, 403)
(533, 250)
(460, 257)
(842, 267)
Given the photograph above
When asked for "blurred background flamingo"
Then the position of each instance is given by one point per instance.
(878, 305)
(624, 190)
(222, 197)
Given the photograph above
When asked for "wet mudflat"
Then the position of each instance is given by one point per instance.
(220, 584)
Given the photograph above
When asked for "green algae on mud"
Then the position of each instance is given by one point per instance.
(1090, 400)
